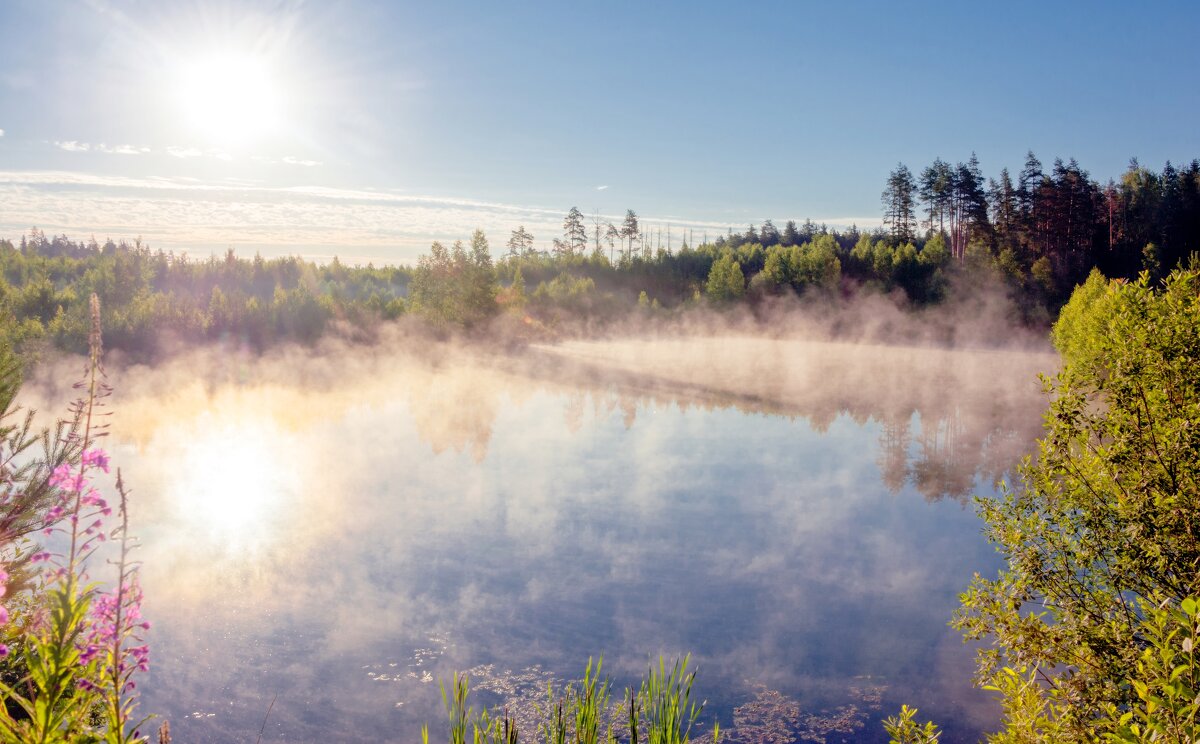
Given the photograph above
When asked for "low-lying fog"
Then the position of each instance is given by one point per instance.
(342, 527)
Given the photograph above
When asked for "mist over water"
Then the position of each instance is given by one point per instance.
(343, 527)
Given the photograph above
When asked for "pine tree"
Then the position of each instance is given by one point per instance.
(574, 232)
(791, 236)
(969, 207)
(629, 229)
(935, 191)
(1029, 188)
(768, 235)
(1003, 198)
(898, 203)
(521, 243)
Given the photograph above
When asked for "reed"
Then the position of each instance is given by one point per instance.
(660, 710)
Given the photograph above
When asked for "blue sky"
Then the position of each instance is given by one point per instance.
(370, 129)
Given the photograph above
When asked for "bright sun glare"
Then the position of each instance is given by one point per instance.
(230, 98)
(233, 479)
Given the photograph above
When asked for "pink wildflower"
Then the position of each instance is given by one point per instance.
(62, 478)
(97, 458)
(93, 498)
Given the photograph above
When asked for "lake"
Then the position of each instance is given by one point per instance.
(329, 533)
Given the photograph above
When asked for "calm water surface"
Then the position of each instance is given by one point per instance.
(336, 534)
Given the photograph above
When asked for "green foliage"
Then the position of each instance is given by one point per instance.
(582, 714)
(1084, 320)
(456, 286)
(591, 707)
(1032, 711)
(726, 282)
(815, 264)
(58, 709)
(147, 296)
(935, 253)
(904, 729)
(1166, 681)
(1042, 272)
(1103, 520)
(30, 456)
(516, 291)
(566, 291)
(668, 711)
(659, 711)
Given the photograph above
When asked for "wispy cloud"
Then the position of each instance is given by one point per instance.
(183, 153)
(297, 161)
(601, 188)
(76, 146)
(121, 149)
(1, 132)
(186, 214)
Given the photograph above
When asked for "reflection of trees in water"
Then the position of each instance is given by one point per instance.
(940, 426)
(954, 446)
(451, 410)
(894, 441)
(948, 458)
(573, 411)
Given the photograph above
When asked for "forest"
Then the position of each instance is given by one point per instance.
(944, 230)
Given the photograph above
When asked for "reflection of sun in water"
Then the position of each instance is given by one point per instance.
(230, 98)
(235, 480)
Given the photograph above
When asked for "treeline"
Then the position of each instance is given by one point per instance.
(1050, 229)
(1038, 236)
(150, 296)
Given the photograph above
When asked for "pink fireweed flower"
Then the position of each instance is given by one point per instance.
(103, 632)
(64, 479)
(39, 557)
(3, 650)
(97, 458)
(90, 652)
(93, 498)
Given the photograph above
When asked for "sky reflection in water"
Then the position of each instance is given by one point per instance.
(791, 515)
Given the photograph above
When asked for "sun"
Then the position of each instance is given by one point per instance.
(230, 98)
(233, 480)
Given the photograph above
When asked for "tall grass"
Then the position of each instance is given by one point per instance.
(659, 710)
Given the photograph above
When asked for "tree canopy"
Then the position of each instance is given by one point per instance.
(1103, 526)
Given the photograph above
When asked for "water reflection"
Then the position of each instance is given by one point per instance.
(974, 411)
(422, 514)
